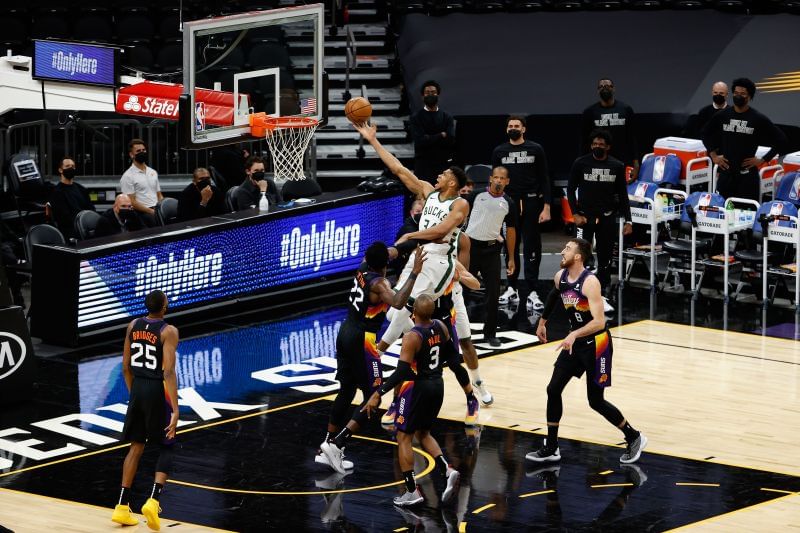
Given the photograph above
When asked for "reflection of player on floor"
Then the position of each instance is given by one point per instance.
(426, 349)
(357, 359)
(586, 349)
(148, 364)
(443, 213)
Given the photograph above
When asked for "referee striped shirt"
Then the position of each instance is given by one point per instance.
(487, 214)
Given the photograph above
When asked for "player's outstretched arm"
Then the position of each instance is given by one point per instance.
(457, 215)
(127, 373)
(169, 341)
(466, 278)
(412, 183)
(403, 372)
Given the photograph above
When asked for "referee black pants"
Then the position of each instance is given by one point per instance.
(528, 233)
(484, 257)
(605, 230)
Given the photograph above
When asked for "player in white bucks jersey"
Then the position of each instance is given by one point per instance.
(442, 216)
(148, 365)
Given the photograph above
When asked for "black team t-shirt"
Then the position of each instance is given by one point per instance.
(618, 119)
(601, 187)
(737, 136)
(527, 169)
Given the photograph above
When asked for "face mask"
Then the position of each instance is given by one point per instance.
(514, 134)
(739, 100)
(258, 176)
(598, 152)
(719, 99)
(126, 215)
(430, 100)
(203, 184)
(141, 157)
(69, 173)
(606, 95)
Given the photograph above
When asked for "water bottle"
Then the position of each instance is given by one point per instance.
(661, 204)
(263, 204)
(730, 214)
(671, 205)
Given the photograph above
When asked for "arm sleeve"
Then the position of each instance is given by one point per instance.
(544, 176)
(575, 178)
(450, 129)
(513, 213)
(711, 134)
(550, 303)
(402, 373)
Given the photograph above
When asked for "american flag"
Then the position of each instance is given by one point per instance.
(308, 106)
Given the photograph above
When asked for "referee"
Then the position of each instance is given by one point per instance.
(597, 194)
(489, 208)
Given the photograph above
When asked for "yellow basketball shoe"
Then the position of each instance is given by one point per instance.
(150, 510)
(122, 515)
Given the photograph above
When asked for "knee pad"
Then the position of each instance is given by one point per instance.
(165, 456)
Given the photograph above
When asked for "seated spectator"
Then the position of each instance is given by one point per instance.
(249, 193)
(121, 218)
(466, 190)
(68, 198)
(140, 183)
(200, 198)
(11, 255)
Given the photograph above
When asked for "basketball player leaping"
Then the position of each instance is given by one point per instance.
(444, 212)
(148, 364)
(586, 349)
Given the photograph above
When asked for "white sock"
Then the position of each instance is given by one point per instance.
(474, 375)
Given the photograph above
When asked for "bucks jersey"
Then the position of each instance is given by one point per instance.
(147, 351)
(429, 359)
(575, 302)
(433, 213)
(370, 316)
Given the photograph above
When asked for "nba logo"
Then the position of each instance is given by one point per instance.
(795, 192)
(199, 116)
(705, 200)
(658, 168)
(776, 208)
(641, 190)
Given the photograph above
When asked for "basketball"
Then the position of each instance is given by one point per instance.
(358, 110)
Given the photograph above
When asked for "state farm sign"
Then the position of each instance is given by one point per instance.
(160, 100)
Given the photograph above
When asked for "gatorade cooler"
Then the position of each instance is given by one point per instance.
(695, 163)
(767, 171)
(791, 163)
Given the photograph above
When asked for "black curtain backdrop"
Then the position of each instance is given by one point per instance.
(546, 66)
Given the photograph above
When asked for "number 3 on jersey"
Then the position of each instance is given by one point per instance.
(141, 351)
(356, 294)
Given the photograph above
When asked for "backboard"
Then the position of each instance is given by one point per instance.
(262, 61)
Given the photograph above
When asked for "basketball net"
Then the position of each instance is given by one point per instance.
(287, 139)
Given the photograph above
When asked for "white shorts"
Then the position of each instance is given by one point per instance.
(437, 271)
(462, 319)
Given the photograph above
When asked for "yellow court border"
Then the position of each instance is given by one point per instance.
(428, 470)
(106, 509)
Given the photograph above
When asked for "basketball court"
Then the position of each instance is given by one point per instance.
(717, 406)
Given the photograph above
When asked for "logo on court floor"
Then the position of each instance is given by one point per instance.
(12, 353)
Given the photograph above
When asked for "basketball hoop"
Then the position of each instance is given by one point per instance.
(287, 139)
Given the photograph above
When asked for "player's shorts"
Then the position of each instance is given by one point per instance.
(437, 271)
(418, 404)
(462, 318)
(357, 357)
(592, 355)
(149, 412)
